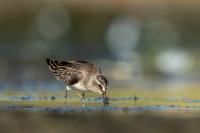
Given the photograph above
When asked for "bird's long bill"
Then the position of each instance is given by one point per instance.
(105, 99)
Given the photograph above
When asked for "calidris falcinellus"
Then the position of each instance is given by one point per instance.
(80, 75)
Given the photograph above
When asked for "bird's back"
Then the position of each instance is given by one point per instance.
(73, 71)
(86, 66)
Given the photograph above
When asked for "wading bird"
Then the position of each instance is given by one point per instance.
(80, 75)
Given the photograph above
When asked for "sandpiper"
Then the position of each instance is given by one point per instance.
(80, 75)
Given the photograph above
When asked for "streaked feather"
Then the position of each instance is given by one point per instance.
(65, 71)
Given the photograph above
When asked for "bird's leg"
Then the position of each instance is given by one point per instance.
(66, 94)
(83, 99)
(105, 99)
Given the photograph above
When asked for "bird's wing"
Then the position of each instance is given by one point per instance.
(65, 71)
(91, 68)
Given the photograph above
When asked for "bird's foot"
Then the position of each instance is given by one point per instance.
(105, 101)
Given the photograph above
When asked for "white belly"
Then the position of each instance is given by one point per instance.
(79, 86)
(68, 88)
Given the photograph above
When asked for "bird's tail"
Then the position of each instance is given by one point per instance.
(53, 64)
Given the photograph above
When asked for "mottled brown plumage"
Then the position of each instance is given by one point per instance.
(80, 75)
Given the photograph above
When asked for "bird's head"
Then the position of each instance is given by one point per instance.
(102, 83)
(99, 84)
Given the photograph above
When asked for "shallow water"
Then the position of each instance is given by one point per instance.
(98, 109)
(94, 104)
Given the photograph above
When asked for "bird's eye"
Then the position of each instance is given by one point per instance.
(100, 86)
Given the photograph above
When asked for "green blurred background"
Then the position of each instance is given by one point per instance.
(140, 44)
(143, 45)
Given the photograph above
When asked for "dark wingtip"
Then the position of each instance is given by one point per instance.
(48, 61)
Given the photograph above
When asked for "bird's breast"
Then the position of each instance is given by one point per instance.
(79, 86)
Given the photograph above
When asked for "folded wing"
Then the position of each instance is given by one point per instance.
(65, 71)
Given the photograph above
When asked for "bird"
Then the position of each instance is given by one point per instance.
(80, 75)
